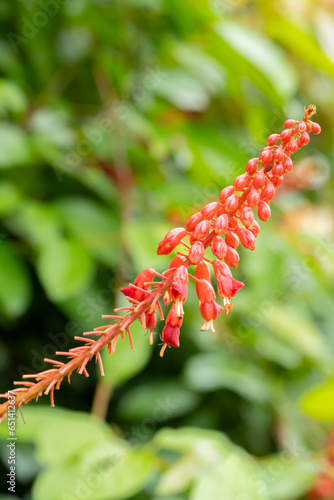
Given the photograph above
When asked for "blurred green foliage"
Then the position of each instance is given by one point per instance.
(118, 119)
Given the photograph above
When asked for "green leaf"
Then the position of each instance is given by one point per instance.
(12, 99)
(64, 268)
(183, 91)
(207, 372)
(14, 146)
(117, 478)
(165, 399)
(93, 225)
(126, 363)
(9, 198)
(287, 477)
(231, 478)
(15, 288)
(319, 401)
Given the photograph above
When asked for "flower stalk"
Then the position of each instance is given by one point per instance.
(220, 226)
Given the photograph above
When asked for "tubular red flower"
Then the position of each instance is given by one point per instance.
(196, 252)
(208, 307)
(179, 290)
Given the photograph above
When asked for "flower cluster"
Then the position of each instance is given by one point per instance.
(220, 226)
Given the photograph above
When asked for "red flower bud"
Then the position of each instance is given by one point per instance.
(218, 247)
(265, 156)
(286, 135)
(305, 138)
(278, 169)
(232, 239)
(247, 238)
(242, 181)
(268, 192)
(293, 146)
(232, 203)
(142, 278)
(272, 139)
(210, 210)
(264, 211)
(221, 268)
(251, 166)
(221, 224)
(233, 224)
(196, 252)
(287, 164)
(259, 180)
(316, 129)
(225, 193)
(171, 332)
(254, 228)
(202, 271)
(277, 180)
(301, 127)
(232, 257)
(202, 230)
(278, 155)
(193, 221)
(253, 197)
(246, 216)
(290, 123)
(171, 240)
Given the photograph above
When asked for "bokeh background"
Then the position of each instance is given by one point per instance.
(119, 119)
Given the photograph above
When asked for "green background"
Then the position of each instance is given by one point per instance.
(118, 120)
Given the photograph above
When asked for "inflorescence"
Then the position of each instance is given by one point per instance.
(221, 226)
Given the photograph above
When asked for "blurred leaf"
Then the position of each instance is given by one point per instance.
(126, 363)
(118, 479)
(64, 268)
(285, 477)
(12, 99)
(15, 289)
(319, 402)
(9, 197)
(160, 400)
(183, 91)
(93, 225)
(14, 146)
(207, 372)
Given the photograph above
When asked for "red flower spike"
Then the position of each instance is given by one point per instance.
(231, 239)
(221, 224)
(179, 290)
(193, 221)
(232, 257)
(196, 252)
(226, 193)
(253, 198)
(232, 203)
(210, 210)
(272, 139)
(202, 271)
(208, 307)
(218, 247)
(251, 166)
(254, 228)
(202, 230)
(264, 211)
(246, 216)
(247, 238)
(242, 181)
(145, 300)
(259, 180)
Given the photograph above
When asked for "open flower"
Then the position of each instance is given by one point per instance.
(207, 303)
